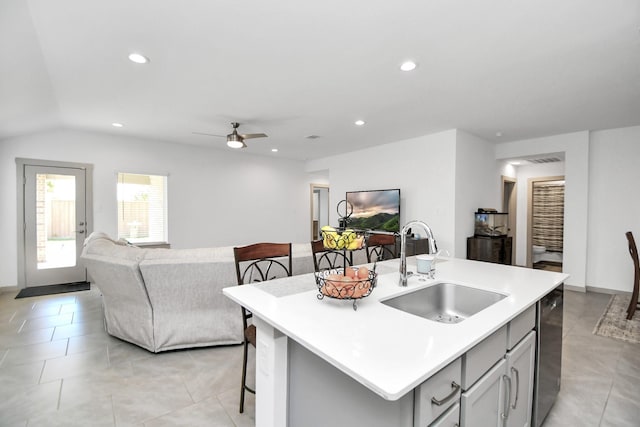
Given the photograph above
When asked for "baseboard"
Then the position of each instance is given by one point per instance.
(8, 289)
(595, 289)
(606, 291)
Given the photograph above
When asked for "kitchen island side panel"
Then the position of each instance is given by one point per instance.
(320, 395)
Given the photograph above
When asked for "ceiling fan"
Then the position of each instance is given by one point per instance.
(235, 139)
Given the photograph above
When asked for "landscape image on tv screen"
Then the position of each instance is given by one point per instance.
(375, 210)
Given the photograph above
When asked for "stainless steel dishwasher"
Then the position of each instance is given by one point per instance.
(549, 319)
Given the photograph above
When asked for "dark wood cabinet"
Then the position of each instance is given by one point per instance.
(415, 246)
(490, 249)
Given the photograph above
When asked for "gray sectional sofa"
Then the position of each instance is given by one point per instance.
(165, 299)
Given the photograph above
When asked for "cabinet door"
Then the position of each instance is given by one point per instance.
(482, 405)
(520, 366)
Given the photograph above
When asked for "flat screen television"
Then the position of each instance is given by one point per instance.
(377, 210)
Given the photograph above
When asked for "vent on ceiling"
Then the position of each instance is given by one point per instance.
(544, 160)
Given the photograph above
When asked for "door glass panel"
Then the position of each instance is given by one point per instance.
(55, 220)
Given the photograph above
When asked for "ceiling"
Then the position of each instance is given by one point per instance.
(515, 68)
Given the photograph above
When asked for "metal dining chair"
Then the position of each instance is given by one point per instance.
(380, 247)
(327, 259)
(258, 263)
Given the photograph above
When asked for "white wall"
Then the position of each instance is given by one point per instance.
(575, 146)
(216, 197)
(428, 170)
(614, 206)
(478, 185)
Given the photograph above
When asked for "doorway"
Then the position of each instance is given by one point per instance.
(545, 229)
(319, 209)
(509, 204)
(54, 217)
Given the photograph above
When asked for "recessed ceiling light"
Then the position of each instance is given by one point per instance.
(359, 122)
(408, 66)
(117, 125)
(274, 150)
(515, 163)
(138, 58)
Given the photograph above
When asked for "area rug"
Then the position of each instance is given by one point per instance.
(613, 323)
(37, 291)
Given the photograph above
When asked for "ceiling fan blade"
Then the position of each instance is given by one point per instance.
(254, 135)
(208, 134)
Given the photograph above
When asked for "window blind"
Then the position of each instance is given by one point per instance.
(548, 214)
(142, 207)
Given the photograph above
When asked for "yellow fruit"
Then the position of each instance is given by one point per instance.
(349, 235)
(353, 245)
(329, 237)
(330, 241)
(356, 244)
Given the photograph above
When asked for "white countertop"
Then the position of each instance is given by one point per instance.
(387, 350)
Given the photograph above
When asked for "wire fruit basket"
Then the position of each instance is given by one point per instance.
(336, 284)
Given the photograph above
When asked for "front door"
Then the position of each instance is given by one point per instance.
(55, 224)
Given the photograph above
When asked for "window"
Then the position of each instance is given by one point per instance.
(142, 208)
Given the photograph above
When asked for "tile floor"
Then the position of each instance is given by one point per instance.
(59, 368)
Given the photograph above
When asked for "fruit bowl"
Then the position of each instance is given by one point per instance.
(348, 239)
(350, 286)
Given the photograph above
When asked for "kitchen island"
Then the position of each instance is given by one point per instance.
(312, 354)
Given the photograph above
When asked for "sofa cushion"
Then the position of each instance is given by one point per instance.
(102, 245)
(224, 253)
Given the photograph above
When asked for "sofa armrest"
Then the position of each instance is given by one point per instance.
(188, 305)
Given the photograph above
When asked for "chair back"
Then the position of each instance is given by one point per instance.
(261, 262)
(381, 247)
(327, 259)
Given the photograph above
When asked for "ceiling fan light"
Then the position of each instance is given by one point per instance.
(235, 141)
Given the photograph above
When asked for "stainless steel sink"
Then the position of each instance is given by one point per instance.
(445, 302)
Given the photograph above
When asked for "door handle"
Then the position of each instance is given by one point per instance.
(79, 231)
(507, 399)
(515, 371)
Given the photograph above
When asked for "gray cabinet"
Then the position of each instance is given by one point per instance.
(483, 404)
(503, 397)
(489, 385)
(520, 367)
(434, 396)
(451, 418)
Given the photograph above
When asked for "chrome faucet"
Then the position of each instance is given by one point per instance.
(403, 247)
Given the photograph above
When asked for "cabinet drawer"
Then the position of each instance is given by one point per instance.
(451, 418)
(443, 387)
(519, 327)
(483, 356)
